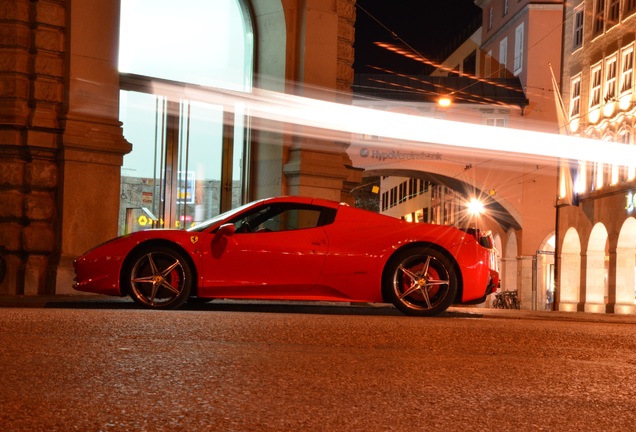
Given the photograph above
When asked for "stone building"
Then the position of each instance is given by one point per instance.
(79, 111)
(596, 244)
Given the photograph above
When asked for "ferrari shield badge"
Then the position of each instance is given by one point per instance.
(194, 239)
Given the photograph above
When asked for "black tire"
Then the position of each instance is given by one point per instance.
(421, 282)
(199, 300)
(159, 277)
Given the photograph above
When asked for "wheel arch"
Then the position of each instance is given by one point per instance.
(128, 261)
(438, 248)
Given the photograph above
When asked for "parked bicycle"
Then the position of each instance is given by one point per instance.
(506, 300)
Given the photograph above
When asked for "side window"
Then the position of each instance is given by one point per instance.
(276, 218)
(575, 97)
(577, 38)
(503, 57)
(518, 60)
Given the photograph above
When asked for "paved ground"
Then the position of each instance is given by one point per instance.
(83, 301)
(100, 364)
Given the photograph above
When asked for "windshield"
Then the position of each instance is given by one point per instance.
(216, 219)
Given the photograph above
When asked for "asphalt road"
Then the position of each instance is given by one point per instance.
(107, 366)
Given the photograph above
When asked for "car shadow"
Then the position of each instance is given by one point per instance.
(324, 308)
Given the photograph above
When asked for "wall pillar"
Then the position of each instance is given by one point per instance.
(32, 87)
(525, 266)
(621, 287)
(93, 145)
(322, 35)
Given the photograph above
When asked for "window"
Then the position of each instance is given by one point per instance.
(503, 57)
(599, 16)
(518, 61)
(627, 69)
(178, 169)
(610, 78)
(577, 38)
(599, 180)
(402, 192)
(284, 217)
(505, 7)
(625, 137)
(496, 122)
(490, 18)
(575, 97)
(613, 14)
(629, 7)
(595, 85)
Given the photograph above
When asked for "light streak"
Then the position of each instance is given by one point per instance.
(337, 121)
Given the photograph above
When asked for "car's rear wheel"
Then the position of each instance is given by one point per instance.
(421, 281)
(160, 278)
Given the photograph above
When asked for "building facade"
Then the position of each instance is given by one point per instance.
(514, 48)
(522, 38)
(596, 241)
(77, 166)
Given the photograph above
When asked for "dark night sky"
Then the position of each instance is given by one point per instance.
(429, 26)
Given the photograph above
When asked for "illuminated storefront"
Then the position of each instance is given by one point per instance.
(596, 223)
(187, 161)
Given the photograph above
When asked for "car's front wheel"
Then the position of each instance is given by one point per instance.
(159, 277)
(421, 281)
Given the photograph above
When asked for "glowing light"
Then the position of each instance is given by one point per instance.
(475, 207)
(444, 101)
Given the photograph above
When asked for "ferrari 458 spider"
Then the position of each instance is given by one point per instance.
(294, 248)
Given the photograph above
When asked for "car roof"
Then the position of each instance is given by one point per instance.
(302, 200)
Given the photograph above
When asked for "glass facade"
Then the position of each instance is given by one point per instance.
(188, 157)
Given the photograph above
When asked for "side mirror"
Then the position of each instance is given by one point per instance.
(226, 230)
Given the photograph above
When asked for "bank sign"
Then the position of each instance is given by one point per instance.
(384, 155)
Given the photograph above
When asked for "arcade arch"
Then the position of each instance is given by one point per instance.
(597, 266)
(626, 268)
(570, 271)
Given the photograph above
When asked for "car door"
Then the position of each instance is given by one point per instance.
(277, 252)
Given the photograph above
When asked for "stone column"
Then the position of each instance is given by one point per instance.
(31, 94)
(92, 145)
(323, 35)
(525, 281)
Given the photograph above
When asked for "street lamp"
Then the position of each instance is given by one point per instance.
(444, 101)
(475, 207)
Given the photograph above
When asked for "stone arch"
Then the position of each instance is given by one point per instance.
(625, 265)
(498, 209)
(570, 271)
(596, 270)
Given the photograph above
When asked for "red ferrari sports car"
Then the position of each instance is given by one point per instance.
(294, 248)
